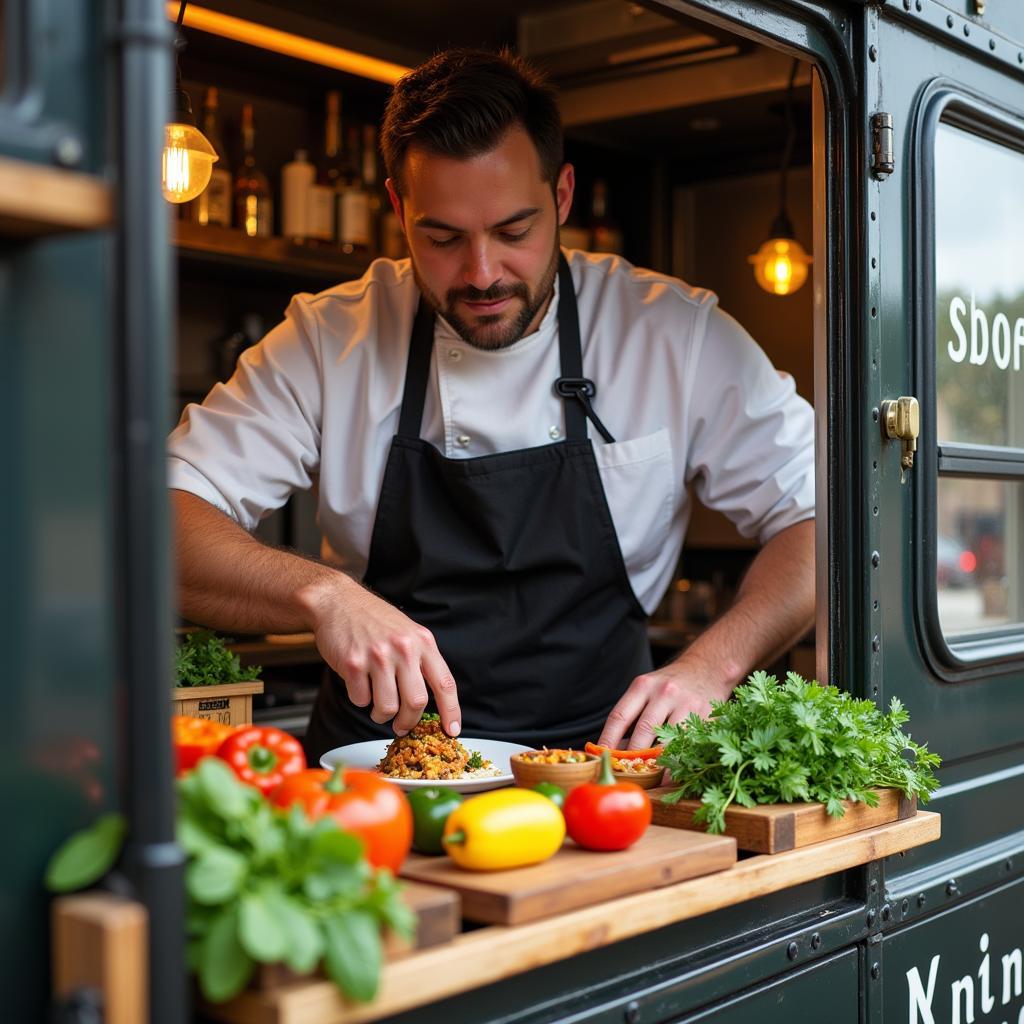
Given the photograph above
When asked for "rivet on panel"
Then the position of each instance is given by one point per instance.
(792, 951)
(876, 970)
(921, 899)
(905, 905)
(872, 53)
(886, 912)
(876, 646)
(870, 918)
(991, 44)
(815, 941)
(632, 1013)
(951, 887)
(876, 559)
(949, 21)
(967, 30)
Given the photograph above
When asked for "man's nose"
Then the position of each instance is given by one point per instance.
(480, 270)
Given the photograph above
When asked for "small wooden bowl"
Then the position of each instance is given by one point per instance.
(645, 779)
(528, 773)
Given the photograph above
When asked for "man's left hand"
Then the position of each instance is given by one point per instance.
(668, 694)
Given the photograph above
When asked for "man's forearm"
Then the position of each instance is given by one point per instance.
(773, 609)
(228, 580)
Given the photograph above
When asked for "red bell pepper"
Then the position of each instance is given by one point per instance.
(360, 802)
(625, 755)
(262, 756)
(607, 815)
(194, 738)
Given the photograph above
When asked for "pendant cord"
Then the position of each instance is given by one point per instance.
(787, 149)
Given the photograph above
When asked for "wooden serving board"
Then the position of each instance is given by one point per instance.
(773, 828)
(575, 877)
(437, 921)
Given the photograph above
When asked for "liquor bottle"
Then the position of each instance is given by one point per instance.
(254, 205)
(297, 179)
(323, 193)
(353, 200)
(213, 204)
(371, 182)
(605, 235)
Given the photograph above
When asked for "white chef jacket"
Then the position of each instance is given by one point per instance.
(683, 389)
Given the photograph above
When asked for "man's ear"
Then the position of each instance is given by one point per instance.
(564, 188)
(396, 202)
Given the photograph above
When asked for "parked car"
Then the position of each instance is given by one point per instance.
(956, 564)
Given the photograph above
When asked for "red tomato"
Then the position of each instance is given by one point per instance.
(262, 756)
(607, 815)
(194, 738)
(360, 802)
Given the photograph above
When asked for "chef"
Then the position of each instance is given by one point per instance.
(501, 434)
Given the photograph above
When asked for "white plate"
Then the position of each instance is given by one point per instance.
(367, 755)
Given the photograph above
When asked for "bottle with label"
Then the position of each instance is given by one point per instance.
(297, 178)
(371, 182)
(324, 191)
(353, 200)
(605, 235)
(254, 205)
(213, 204)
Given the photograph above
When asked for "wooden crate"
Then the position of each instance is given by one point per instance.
(773, 828)
(230, 703)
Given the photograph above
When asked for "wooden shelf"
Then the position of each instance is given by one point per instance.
(36, 200)
(492, 954)
(231, 253)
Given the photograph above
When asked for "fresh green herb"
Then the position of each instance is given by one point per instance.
(476, 759)
(779, 742)
(203, 659)
(429, 716)
(86, 856)
(266, 886)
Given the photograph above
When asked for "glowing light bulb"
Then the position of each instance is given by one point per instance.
(780, 266)
(187, 163)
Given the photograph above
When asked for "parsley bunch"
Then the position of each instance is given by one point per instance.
(779, 742)
(267, 886)
(203, 659)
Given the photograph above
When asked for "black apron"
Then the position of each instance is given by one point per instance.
(512, 562)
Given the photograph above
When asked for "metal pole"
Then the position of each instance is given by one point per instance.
(145, 288)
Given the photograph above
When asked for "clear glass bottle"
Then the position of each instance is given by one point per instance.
(324, 191)
(213, 204)
(254, 204)
(353, 200)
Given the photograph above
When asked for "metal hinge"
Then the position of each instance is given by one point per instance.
(882, 161)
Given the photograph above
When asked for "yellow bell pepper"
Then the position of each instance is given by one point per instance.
(503, 828)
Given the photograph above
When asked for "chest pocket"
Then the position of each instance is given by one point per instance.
(640, 487)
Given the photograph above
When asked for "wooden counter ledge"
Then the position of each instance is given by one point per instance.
(495, 953)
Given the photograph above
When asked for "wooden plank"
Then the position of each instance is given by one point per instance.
(100, 941)
(575, 877)
(773, 828)
(230, 703)
(37, 200)
(437, 921)
(493, 954)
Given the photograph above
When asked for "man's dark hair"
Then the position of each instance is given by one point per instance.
(462, 102)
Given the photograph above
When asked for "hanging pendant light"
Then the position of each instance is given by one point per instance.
(188, 156)
(780, 265)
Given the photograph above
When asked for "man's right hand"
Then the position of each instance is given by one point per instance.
(384, 657)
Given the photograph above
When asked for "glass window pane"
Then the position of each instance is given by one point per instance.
(979, 270)
(3, 45)
(978, 554)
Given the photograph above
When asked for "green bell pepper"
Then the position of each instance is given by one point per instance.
(430, 809)
(554, 793)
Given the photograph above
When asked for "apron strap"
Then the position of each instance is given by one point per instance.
(417, 371)
(570, 352)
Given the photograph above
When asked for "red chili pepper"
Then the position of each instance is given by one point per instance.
(262, 756)
(194, 738)
(360, 802)
(625, 755)
(607, 815)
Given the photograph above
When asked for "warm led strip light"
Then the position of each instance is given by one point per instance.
(286, 43)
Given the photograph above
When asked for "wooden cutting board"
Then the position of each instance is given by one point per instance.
(575, 877)
(773, 828)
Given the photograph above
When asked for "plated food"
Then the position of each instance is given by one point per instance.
(428, 752)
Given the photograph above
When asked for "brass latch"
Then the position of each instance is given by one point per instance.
(901, 418)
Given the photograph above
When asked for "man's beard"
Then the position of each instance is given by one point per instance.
(485, 334)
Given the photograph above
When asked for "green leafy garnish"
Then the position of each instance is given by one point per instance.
(270, 886)
(86, 856)
(476, 759)
(779, 742)
(203, 659)
(429, 716)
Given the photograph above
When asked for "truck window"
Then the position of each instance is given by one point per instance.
(979, 382)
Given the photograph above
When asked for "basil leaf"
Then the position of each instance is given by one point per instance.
(224, 966)
(353, 954)
(336, 845)
(304, 940)
(221, 791)
(260, 930)
(86, 856)
(216, 875)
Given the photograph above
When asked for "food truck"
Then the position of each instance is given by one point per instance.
(889, 136)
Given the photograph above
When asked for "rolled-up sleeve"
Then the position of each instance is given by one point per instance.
(751, 452)
(256, 439)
